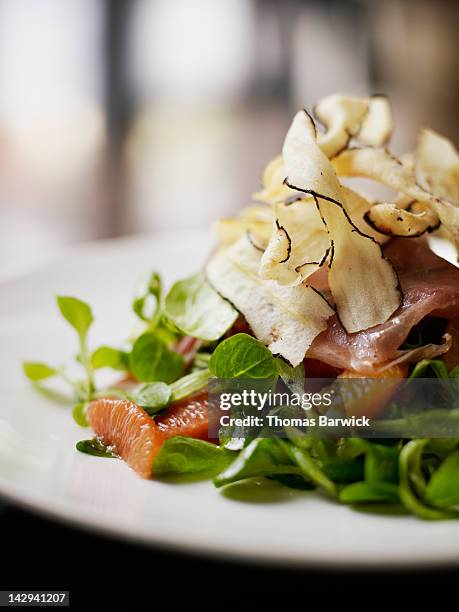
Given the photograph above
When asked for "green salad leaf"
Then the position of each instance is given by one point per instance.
(443, 487)
(343, 471)
(95, 447)
(309, 467)
(201, 360)
(181, 455)
(35, 370)
(412, 487)
(381, 463)
(79, 414)
(153, 397)
(242, 355)
(367, 492)
(426, 366)
(147, 306)
(77, 313)
(262, 457)
(108, 357)
(151, 360)
(189, 384)
(292, 377)
(196, 309)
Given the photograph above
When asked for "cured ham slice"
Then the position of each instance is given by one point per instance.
(430, 287)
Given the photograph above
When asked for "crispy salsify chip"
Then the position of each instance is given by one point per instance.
(342, 117)
(394, 221)
(273, 187)
(380, 165)
(286, 319)
(357, 206)
(256, 219)
(367, 119)
(299, 243)
(437, 166)
(378, 123)
(362, 281)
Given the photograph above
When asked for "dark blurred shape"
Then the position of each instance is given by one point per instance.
(41, 554)
(118, 109)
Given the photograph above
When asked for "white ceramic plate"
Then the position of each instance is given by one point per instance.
(40, 468)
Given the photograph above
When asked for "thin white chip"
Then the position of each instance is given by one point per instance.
(286, 319)
(362, 281)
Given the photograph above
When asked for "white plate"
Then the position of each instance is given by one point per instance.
(40, 468)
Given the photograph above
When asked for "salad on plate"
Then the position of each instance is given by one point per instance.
(313, 281)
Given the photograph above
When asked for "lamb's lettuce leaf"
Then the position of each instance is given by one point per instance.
(240, 356)
(196, 309)
(181, 455)
(151, 360)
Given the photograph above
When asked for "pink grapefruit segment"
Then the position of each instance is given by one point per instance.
(136, 437)
(188, 417)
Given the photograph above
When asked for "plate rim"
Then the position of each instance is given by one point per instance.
(92, 523)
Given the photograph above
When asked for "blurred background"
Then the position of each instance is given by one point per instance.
(132, 116)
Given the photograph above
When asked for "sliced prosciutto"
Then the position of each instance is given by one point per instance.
(430, 287)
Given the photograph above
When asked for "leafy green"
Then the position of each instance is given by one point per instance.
(94, 447)
(151, 360)
(431, 422)
(292, 377)
(196, 309)
(153, 397)
(242, 355)
(147, 306)
(182, 455)
(329, 457)
(364, 492)
(412, 483)
(351, 448)
(201, 360)
(380, 460)
(77, 313)
(35, 371)
(189, 384)
(262, 457)
(443, 487)
(108, 357)
(79, 414)
(309, 467)
(426, 366)
(381, 463)
(343, 471)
